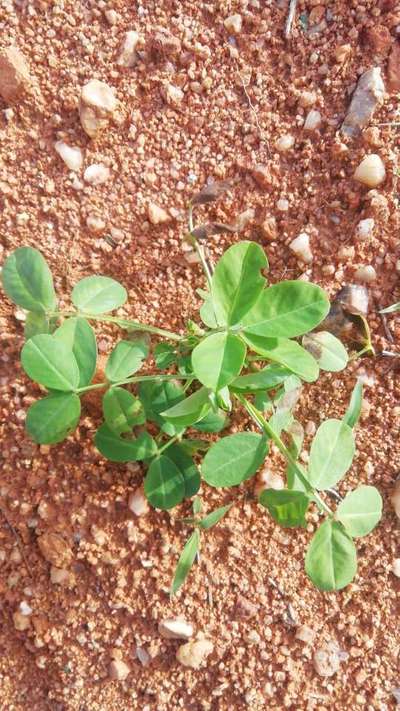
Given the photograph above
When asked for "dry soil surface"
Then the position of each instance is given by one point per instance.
(232, 97)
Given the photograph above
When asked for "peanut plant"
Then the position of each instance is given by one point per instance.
(246, 353)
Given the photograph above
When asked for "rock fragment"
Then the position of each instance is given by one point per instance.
(327, 660)
(71, 155)
(128, 56)
(157, 215)
(393, 68)
(368, 95)
(14, 74)
(307, 99)
(173, 95)
(55, 549)
(21, 622)
(175, 629)
(233, 24)
(96, 174)
(396, 567)
(118, 670)
(193, 654)
(378, 38)
(95, 223)
(365, 229)
(313, 121)
(97, 106)
(262, 176)
(285, 143)
(305, 634)
(365, 274)
(301, 247)
(138, 503)
(371, 171)
(245, 608)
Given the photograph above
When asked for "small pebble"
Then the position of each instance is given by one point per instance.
(95, 223)
(173, 94)
(128, 56)
(97, 106)
(25, 609)
(96, 174)
(71, 155)
(307, 99)
(365, 274)
(301, 247)
(59, 576)
(193, 654)
(396, 567)
(21, 622)
(305, 634)
(157, 215)
(118, 670)
(143, 656)
(326, 660)
(233, 24)
(371, 171)
(285, 143)
(138, 503)
(313, 121)
(175, 629)
(14, 74)
(365, 229)
(282, 205)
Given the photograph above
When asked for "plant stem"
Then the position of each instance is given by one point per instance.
(124, 323)
(258, 418)
(135, 379)
(199, 249)
(168, 444)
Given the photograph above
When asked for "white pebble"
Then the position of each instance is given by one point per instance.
(157, 215)
(365, 274)
(96, 174)
(71, 156)
(173, 95)
(395, 498)
(285, 142)
(307, 99)
(192, 654)
(128, 56)
(301, 247)
(365, 228)
(282, 205)
(233, 24)
(396, 567)
(326, 660)
(25, 609)
(175, 629)
(95, 223)
(371, 171)
(305, 634)
(313, 121)
(137, 502)
(118, 670)
(143, 656)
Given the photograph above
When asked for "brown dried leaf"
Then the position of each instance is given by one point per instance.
(211, 192)
(212, 228)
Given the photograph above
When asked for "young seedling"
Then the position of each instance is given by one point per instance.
(246, 353)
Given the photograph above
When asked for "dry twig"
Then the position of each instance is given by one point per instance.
(290, 18)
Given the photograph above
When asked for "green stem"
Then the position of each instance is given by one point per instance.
(135, 379)
(168, 444)
(199, 249)
(124, 323)
(258, 418)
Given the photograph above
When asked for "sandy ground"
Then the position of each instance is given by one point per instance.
(240, 94)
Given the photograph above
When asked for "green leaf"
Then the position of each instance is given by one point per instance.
(164, 355)
(122, 410)
(27, 280)
(327, 350)
(237, 282)
(360, 510)
(207, 313)
(53, 418)
(159, 395)
(98, 295)
(125, 360)
(197, 506)
(293, 480)
(286, 310)
(331, 559)
(192, 446)
(266, 379)
(214, 517)
(78, 335)
(184, 462)
(218, 359)
(35, 324)
(164, 485)
(331, 454)
(288, 353)
(118, 449)
(286, 507)
(190, 410)
(213, 422)
(391, 309)
(353, 412)
(50, 362)
(185, 561)
(234, 459)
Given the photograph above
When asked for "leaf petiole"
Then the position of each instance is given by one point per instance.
(135, 379)
(124, 323)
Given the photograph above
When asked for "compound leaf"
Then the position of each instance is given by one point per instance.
(53, 418)
(360, 510)
(27, 280)
(331, 559)
(234, 459)
(98, 295)
(50, 362)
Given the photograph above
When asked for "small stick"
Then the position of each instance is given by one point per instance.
(15, 534)
(290, 18)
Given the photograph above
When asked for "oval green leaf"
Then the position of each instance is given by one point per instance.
(184, 462)
(185, 561)
(237, 282)
(50, 362)
(125, 360)
(360, 510)
(122, 410)
(288, 353)
(52, 419)
(331, 559)
(214, 517)
(79, 336)
(164, 485)
(286, 507)
(158, 396)
(287, 309)
(331, 454)
(266, 379)
(234, 459)
(118, 449)
(353, 411)
(190, 410)
(27, 280)
(327, 350)
(218, 359)
(35, 324)
(98, 295)
(212, 422)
